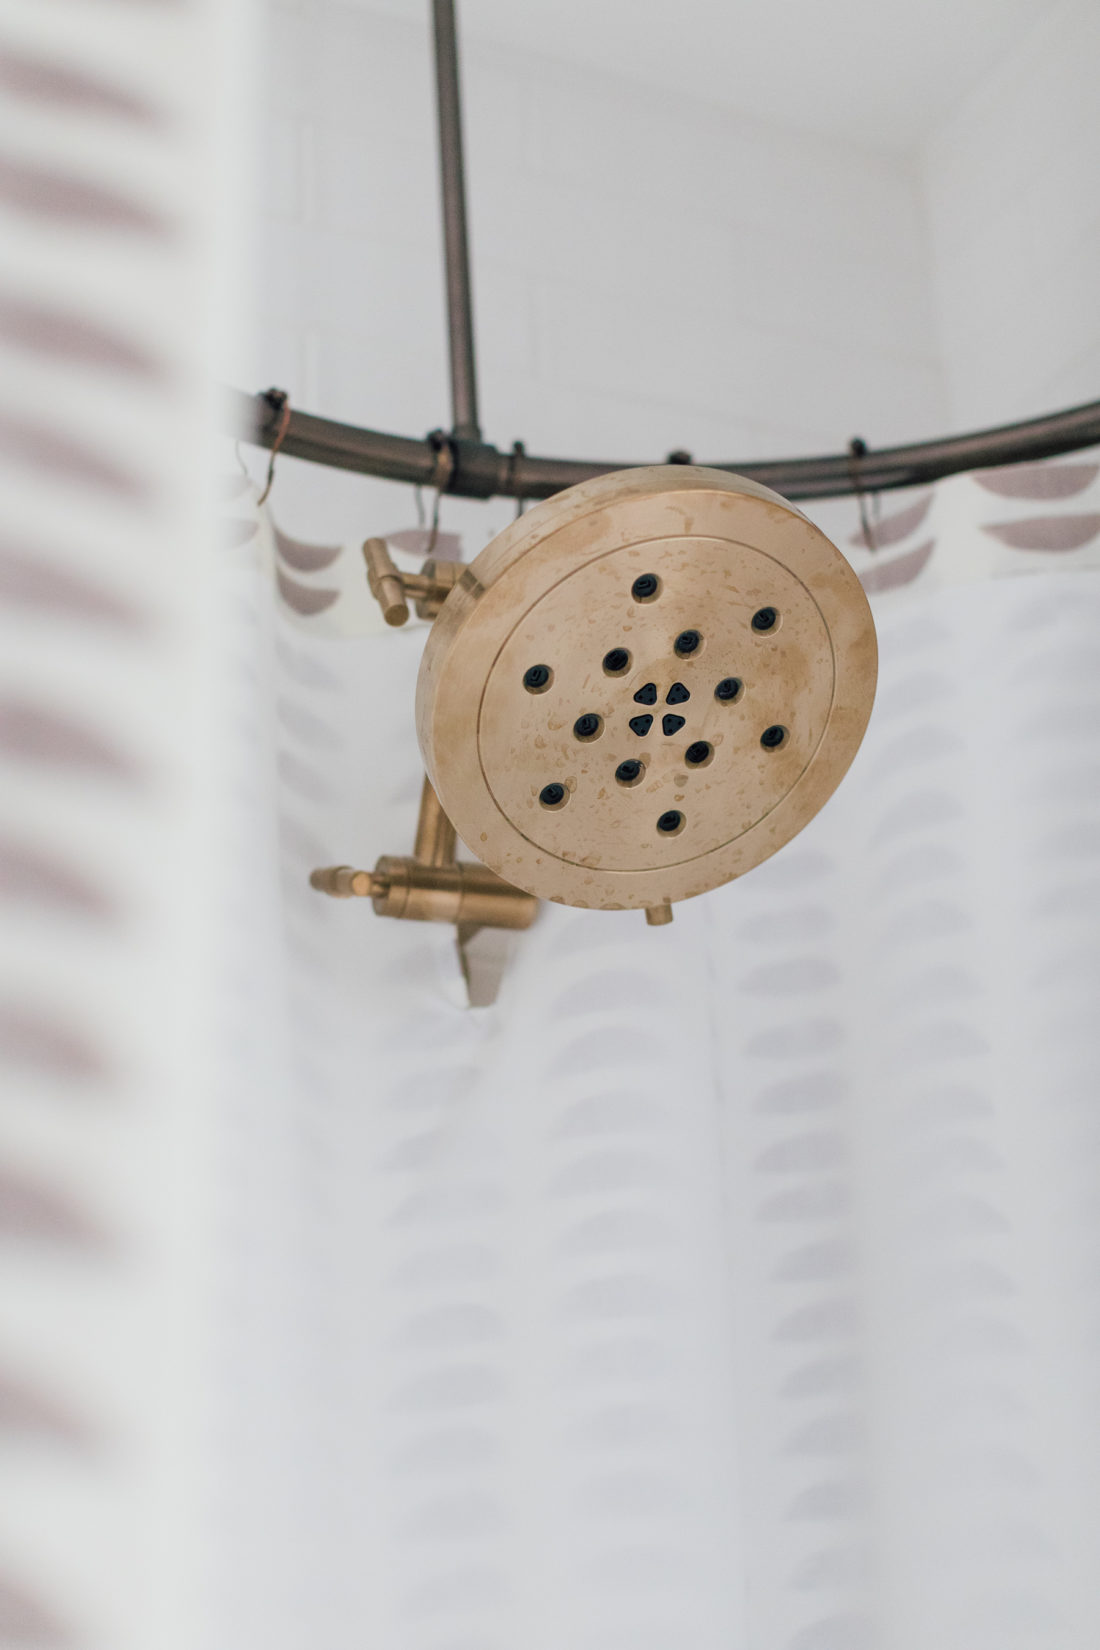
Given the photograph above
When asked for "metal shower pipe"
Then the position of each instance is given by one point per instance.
(452, 180)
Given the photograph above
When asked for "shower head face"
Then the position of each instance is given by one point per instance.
(645, 686)
(701, 753)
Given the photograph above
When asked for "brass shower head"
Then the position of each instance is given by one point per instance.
(644, 687)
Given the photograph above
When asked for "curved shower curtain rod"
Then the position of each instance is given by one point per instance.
(480, 470)
(464, 464)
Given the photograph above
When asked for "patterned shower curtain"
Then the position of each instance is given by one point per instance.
(726, 1285)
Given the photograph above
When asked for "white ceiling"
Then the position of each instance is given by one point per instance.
(883, 72)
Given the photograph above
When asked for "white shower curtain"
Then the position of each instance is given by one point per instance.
(734, 1284)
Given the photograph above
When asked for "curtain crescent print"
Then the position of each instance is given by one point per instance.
(95, 198)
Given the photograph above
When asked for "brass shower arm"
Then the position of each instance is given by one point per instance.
(429, 885)
(436, 838)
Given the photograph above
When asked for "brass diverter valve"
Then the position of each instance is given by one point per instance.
(430, 885)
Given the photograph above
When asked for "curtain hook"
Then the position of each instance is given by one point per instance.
(519, 451)
(277, 400)
(442, 471)
(857, 450)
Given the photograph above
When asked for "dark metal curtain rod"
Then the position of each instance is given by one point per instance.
(480, 470)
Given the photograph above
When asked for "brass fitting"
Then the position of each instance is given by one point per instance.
(432, 585)
(342, 882)
(385, 582)
(391, 588)
(430, 885)
(466, 894)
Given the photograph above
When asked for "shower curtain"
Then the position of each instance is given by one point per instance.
(732, 1284)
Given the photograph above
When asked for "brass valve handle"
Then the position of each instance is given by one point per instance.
(342, 882)
(385, 582)
(391, 588)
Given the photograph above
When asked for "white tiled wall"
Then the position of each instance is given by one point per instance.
(1013, 188)
(650, 273)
